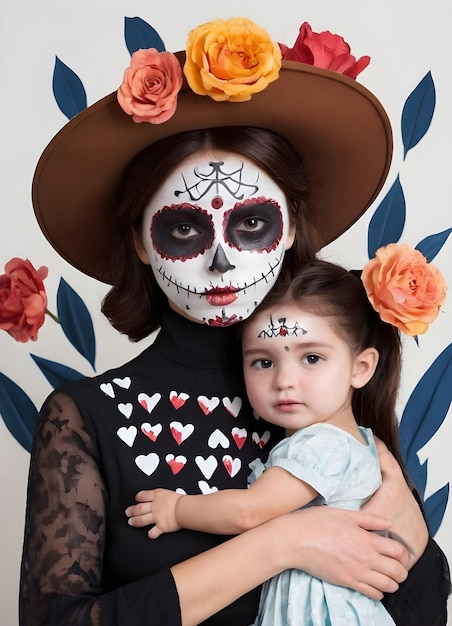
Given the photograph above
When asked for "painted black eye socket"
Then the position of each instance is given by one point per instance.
(181, 232)
(255, 226)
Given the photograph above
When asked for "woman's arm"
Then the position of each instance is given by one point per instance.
(394, 501)
(61, 574)
(329, 543)
(226, 512)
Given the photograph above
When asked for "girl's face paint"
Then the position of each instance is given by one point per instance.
(215, 235)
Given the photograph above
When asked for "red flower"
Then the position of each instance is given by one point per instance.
(23, 299)
(324, 50)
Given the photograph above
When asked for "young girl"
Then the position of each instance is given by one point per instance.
(320, 362)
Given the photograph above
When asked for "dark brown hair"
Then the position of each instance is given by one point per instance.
(331, 291)
(132, 304)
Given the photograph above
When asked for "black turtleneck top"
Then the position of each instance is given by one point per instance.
(176, 417)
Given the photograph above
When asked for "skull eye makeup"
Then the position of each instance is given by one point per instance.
(181, 232)
(254, 225)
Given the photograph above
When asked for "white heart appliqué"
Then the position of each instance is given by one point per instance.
(151, 431)
(125, 409)
(127, 434)
(180, 432)
(108, 390)
(233, 406)
(261, 440)
(149, 402)
(123, 382)
(148, 463)
(208, 404)
(232, 465)
(205, 489)
(207, 466)
(217, 438)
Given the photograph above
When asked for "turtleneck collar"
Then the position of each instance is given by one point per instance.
(197, 345)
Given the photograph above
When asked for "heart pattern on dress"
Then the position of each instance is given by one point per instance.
(176, 463)
(127, 434)
(178, 399)
(180, 432)
(204, 487)
(152, 432)
(233, 406)
(123, 382)
(239, 435)
(217, 438)
(261, 440)
(231, 465)
(208, 404)
(148, 463)
(207, 466)
(149, 402)
(107, 389)
(125, 409)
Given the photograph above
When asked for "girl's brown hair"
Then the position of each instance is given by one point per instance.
(331, 291)
(132, 303)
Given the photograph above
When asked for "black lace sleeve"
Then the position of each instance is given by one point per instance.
(61, 575)
(421, 599)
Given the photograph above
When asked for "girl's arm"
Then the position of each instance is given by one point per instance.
(226, 512)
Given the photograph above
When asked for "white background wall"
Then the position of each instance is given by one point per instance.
(405, 39)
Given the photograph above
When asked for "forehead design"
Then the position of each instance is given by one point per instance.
(282, 329)
(217, 179)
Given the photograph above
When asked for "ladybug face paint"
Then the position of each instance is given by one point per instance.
(215, 261)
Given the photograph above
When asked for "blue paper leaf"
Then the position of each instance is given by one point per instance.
(430, 246)
(18, 412)
(388, 221)
(435, 507)
(426, 410)
(139, 34)
(418, 112)
(76, 321)
(56, 373)
(68, 90)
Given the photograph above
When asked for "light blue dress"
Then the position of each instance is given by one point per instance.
(345, 473)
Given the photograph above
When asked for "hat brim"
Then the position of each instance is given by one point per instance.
(336, 124)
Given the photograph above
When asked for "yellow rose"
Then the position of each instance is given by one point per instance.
(404, 288)
(231, 59)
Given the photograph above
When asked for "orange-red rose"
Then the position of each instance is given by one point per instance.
(231, 59)
(151, 85)
(324, 50)
(404, 288)
(23, 299)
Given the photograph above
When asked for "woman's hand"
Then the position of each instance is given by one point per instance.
(335, 545)
(396, 503)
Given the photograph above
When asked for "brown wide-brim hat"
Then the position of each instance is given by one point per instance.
(339, 127)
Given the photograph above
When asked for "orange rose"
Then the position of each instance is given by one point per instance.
(324, 50)
(404, 288)
(23, 299)
(231, 59)
(151, 85)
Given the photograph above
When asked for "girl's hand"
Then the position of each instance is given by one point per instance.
(158, 507)
(395, 502)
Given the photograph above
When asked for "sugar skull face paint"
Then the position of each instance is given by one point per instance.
(215, 236)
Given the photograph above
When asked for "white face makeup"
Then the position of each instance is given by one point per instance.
(215, 236)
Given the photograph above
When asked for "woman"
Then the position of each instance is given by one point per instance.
(201, 207)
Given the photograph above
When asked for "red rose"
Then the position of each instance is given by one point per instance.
(23, 299)
(325, 50)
